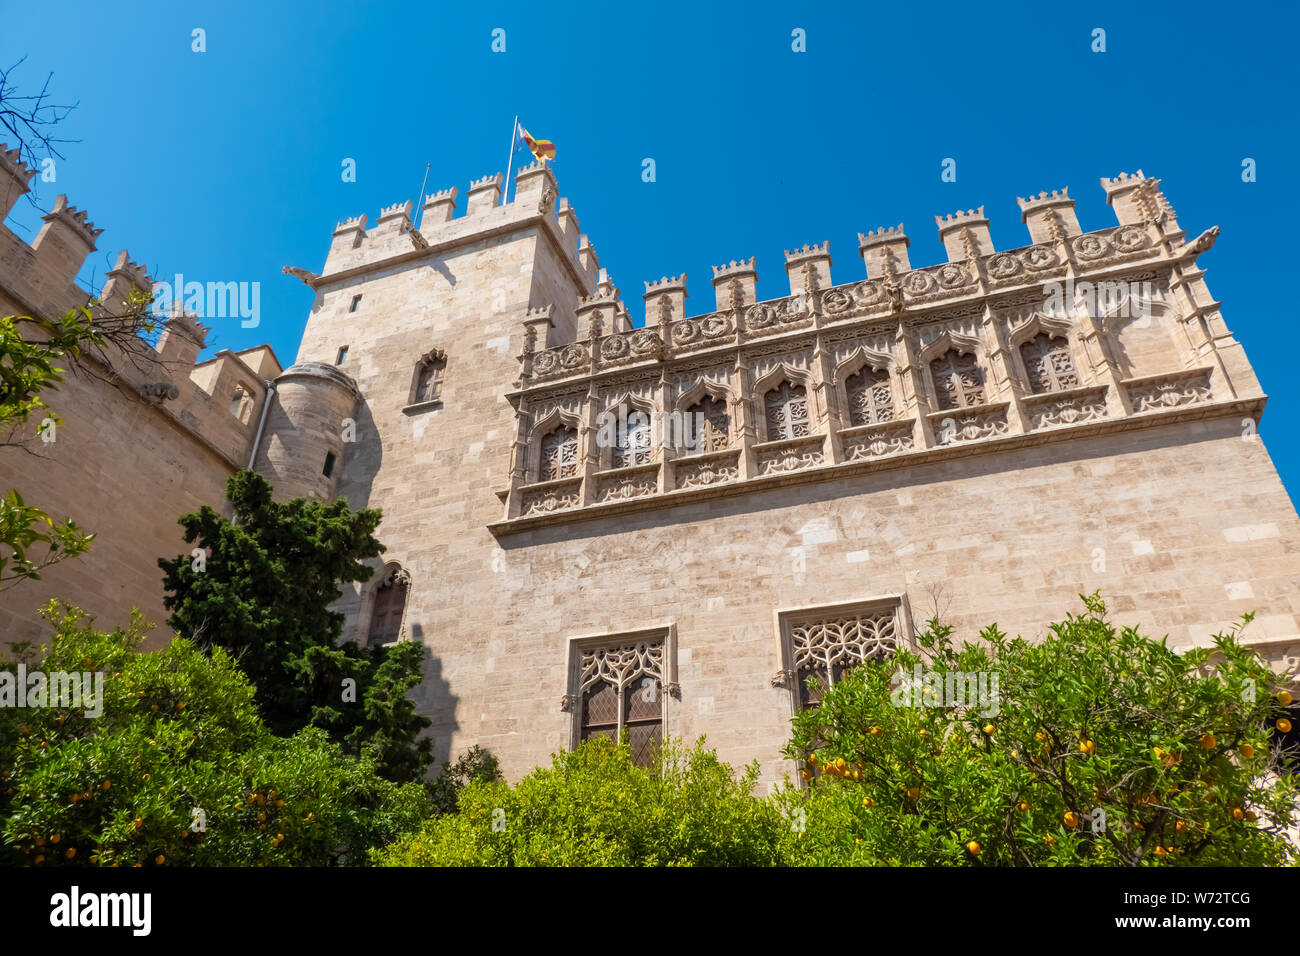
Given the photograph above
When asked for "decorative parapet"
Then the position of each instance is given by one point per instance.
(15, 178)
(439, 207)
(624, 348)
(484, 194)
(1074, 406)
(703, 331)
(1172, 390)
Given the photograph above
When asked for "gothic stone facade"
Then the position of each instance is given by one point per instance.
(987, 437)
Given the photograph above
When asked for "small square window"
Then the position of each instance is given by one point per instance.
(356, 303)
(342, 356)
(329, 464)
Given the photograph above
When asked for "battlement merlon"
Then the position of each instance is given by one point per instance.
(65, 240)
(965, 235)
(121, 279)
(809, 268)
(15, 178)
(1137, 199)
(393, 220)
(665, 300)
(735, 285)
(884, 252)
(484, 195)
(1050, 216)
(601, 312)
(438, 208)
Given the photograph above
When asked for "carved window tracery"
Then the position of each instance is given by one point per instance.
(633, 444)
(621, 687)
(559, 454)
(388, 612)
(1049, 364)
(871, 398)
(786, 412)
(710, 425)
(958, 380)
(824, 644)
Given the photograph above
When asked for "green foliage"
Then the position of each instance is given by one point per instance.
(263, 594)
(23, 528)
(1173, 749)
(474, 764)
(179, 732)
(593, 807)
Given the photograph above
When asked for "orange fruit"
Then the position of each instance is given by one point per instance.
(1161, 851)
(1181, 826)
(1088, 747)
(1284, 697)
(989, 729)
(973, 848)
(1208, 742)
(1049, 840)
(839, 763)
(1071, 819)
(72, 851)
(876, 731)
(1246, 750)
(160, 859)
(913, 793)
(1251, 815)
(1237, 813)
(868, 802)
(1284, 725)
(805, 774)
(1023, 808)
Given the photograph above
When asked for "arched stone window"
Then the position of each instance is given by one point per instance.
(871, 398)
(786, 412)
(427, 384)
(1049, 363)
(633, 444)
(389, 608)
(622, 689)
(558, 454)
(710, 425)
(958, 380)
(237, 400)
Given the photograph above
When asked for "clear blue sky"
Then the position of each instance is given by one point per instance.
(225, 165)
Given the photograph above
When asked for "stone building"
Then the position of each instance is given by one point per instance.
(594, 525)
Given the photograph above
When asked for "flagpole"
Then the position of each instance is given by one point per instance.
(514, 131)
(419, 199)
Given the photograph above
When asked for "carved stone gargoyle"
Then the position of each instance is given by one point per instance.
(1201, 243)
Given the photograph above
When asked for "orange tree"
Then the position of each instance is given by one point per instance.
(1101, 746)
(178, 768)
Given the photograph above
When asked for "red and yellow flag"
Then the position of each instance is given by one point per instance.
(542, 149)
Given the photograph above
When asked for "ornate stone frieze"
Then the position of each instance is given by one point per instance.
(627, 483)
(957, 426)
(702, 471)
(794, 454)
(877, 441)
(550, 496)
(1076, 406)
(1174, 390)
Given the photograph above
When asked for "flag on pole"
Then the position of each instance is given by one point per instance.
(542, 149)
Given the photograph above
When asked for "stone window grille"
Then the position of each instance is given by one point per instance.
(786, 408)
(1049, 364)
(710, 426)
(633, 445)
(871, 399)
(958, 380)
(559, 454)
